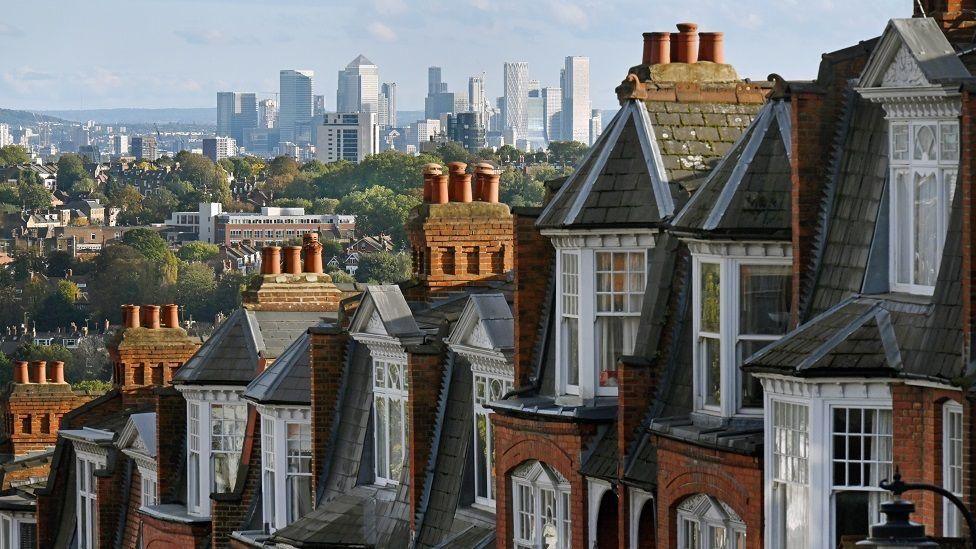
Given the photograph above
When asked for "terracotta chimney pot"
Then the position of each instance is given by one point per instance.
(657, 48)
(57, 372)
(711, 47)
(492, 184)
(293, 260)
(430, 170)
(481, 173)
(313, 253)
(271, 260)
(463, 191)
(686, 47)
(40, 371)
(441, 194)
(171, 316)
(21, 374)
(457, 171)
(152, 316)
(132, 321)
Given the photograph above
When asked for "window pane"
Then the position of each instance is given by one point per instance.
(481, 456)
(710, 294)
(380, 419)
(752, 391)
(926, 227)
(615, 336)
(899, 142)
(571, 349)
(766, 292)
(712, 369)
(396, 438)
(925, 143)
(903, 246)
(550, 530)
(950, 141)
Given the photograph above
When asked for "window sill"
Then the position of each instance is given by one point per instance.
(252, 538)
(173, 512)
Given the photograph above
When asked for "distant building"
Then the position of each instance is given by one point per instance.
(514, 114)
(296, 102)
(271, 226)
(347, 136)
(596, 125)
(144, 148)
(435, 82)
(219, 148)
(90, 153)
(477, 101)
(268, 113)
(120, 144)
(388, 105)
(236, 114)
(467, 129)
(318, 107)
(552, 107)
(438, 104)
(5, 138)
(359, 87)
(535, 115)
(421, 132)
(576, 99)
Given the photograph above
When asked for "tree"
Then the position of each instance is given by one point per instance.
(383, 268)
(331, 248)
(159, 204)
(508, 154)
(90, 361)
(58, 309)
(147, 242)
(227, 297)
(12, 155)
(197, 169)
(453, 151)
(293, 203)
(341, 277)
(6, 370)
(47, 353)
(282, 165)
(71, 168)
(58, 263)
(33, 196)
(198, 252)
(83, 187)
(323, 206)
(194, 290)
(125, 197)
(518, 189)
(567, 153)
(121, 274)
(379, 210)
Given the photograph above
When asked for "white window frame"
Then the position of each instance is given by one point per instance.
(533, 479)
(943, 168)
(149, 487)
(790, 449)
(953, 448)
(86, 499)
(199, 402)
(638, 499)
(488, 382)
(729, 336)
(707, 514)
(588, 347)
(277, 510)
(10, 524)
(383, 472)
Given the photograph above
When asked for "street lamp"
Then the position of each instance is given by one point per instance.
(899, 531)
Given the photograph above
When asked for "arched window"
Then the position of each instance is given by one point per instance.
(706, 523)
(540, 507)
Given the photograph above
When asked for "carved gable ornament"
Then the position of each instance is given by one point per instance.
(903, 72)
(479, 337)
(375, 324)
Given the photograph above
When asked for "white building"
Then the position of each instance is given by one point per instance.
(388, 105)
(552, 108)
(347, 136)
(421, 131)
(120, 144)
(267, 113)
(515, 115)
(219, 148)
(296, 102)
(5, 138)
(359, 87)
(596, 125)
(576, 99)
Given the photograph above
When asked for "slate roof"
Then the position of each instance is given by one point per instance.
(287, 381)
(393, 310)
(600, 460)
(748, 193)
(231, 354)
(928, 45)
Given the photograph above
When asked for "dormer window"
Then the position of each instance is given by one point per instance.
(600, 295)
(924, 167)
(742, 303)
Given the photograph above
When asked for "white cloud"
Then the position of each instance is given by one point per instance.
(7, 29)
(381, 32)
(390, 7)
(570, 14)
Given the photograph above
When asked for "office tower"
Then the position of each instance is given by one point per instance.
(236, 114)
(388, 105)
(5, 138)
(90, 153)
(435, 84)
(144, 148)
(476, 94)
(438, 104)
(467, 129)
(516, 95)
(268, 113)
(421, 131)
(596, 125)
(120, 144)
(460, 102)
(552, 107)
(534, 113)
(219, 148)
(359, 87)
(318, 105)
(347, 136)
(576, 99)
(296, 102)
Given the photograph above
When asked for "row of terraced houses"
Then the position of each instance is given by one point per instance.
(749, 304)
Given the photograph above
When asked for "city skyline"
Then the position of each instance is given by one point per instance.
(254, 45)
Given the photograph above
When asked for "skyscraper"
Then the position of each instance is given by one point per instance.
(144, 148)
(359, 87)
(552, 108)
(236, 114)
(576, 99)
(347, 136)
(476, 94)
(296, 102)
(516, 96)
(388, 105)
(318, 106)
(596, 125)
(267, 113)
(435, 84)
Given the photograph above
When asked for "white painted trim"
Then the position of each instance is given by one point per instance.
(595, 489)
(597, 168)
(949, 512)
(638, 499)
(761, 126)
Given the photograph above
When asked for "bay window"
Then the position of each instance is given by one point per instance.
(706, 523)
(741, 305)
(86, 502)
(791, 481)
(541, 507)
(227, 423)
(216, 422)
(861, 449)
(487, 388)
(924, 159)
(286, 459)
(18, 530)
(389, 420)
(952, 448)
(600, 294)
(150, 495)
(193, 449)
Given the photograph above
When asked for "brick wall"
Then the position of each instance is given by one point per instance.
(160, 534)
(170, 443)
(109, 493)
(954, 16)
(227, 511)
(558, 444)
(687, 469)
(133, 518)
(33, 412)
(917, 446)
(534, 256)
(327, 350)
(425, 371)
(146, 358)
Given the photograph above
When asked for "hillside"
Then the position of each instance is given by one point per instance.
(204, 115)
(21, 118)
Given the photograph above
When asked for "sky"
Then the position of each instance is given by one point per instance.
(70, 54)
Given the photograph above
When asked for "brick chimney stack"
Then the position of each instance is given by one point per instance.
(301, 286)
(954, 16)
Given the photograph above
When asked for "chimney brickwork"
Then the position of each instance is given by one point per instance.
(300, 285)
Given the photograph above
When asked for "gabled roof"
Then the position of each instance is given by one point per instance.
(920, 39)
(384, 311)
(140, 434)
(287, 381)
(486, 322)
(748, 193)
(621, 181)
